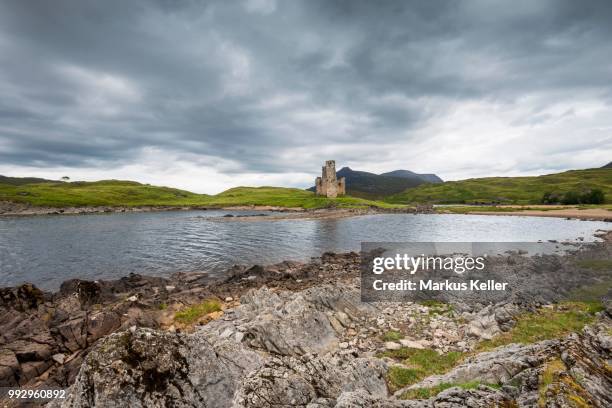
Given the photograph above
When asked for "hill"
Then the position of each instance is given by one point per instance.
(377, 186)
(116, 193)
(428, 178)
(98, 193)
(607, 166)
(19, 181)
(287, 197)
(508, 190)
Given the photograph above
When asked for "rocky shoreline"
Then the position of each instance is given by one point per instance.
(295, 334)
(12, 209)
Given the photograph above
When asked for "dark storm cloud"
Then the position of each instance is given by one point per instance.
(95, 82)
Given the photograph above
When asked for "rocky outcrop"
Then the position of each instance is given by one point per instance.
(44, 337)
(578, 367)
(298, 336)
(272, 350)
(281, 349)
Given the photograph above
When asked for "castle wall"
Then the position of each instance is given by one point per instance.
(328, 185)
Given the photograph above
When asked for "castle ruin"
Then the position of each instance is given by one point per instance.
(328, 185)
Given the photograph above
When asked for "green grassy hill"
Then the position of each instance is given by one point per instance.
(287, 197)
(507, 190)
(97, 193)
(18, 181)
(128, 193)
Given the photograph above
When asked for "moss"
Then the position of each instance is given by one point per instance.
(392, 335)
(162, 306)
(546, 324)
(191, 314)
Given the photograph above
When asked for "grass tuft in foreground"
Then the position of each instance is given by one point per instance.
(417, 364)
(392, 335)
(191, 314)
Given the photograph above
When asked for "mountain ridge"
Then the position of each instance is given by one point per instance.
(375, 186)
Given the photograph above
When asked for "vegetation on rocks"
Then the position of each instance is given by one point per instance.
(425, 393)
(547, 323)
(417, 364)
(191, 314)
(392, 335)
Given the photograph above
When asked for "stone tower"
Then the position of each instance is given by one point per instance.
(328, 185)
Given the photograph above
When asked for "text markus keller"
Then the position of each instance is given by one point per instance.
(408, 285)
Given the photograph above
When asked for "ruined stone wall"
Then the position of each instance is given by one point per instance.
(328, 185)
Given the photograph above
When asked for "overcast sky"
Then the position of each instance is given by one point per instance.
(206, 95)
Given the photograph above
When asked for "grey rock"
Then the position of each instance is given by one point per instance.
(149, 368)
(298, 382)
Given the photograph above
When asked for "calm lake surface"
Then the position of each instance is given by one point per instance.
(46, 250)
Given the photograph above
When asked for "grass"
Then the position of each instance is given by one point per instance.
(289, 197)
(191, 314)
(486, 208)
(509, 190)
(417, 364)
(601, 265)
(545, 324)
(436, 307)
(425, 393)
(116, 193)
(99, 193)
(551, 369)
(392, 335)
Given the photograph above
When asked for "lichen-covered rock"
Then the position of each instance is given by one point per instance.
(588, 358)
(298, 382)
(149, 368)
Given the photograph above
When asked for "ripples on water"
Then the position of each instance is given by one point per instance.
(47, 250)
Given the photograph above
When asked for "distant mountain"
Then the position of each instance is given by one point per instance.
(428, 178)
(607, 166)
(372, 186)
(20, 181)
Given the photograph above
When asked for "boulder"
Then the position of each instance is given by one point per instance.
(149, 368)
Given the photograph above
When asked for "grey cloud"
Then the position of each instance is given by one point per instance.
(89, 82)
